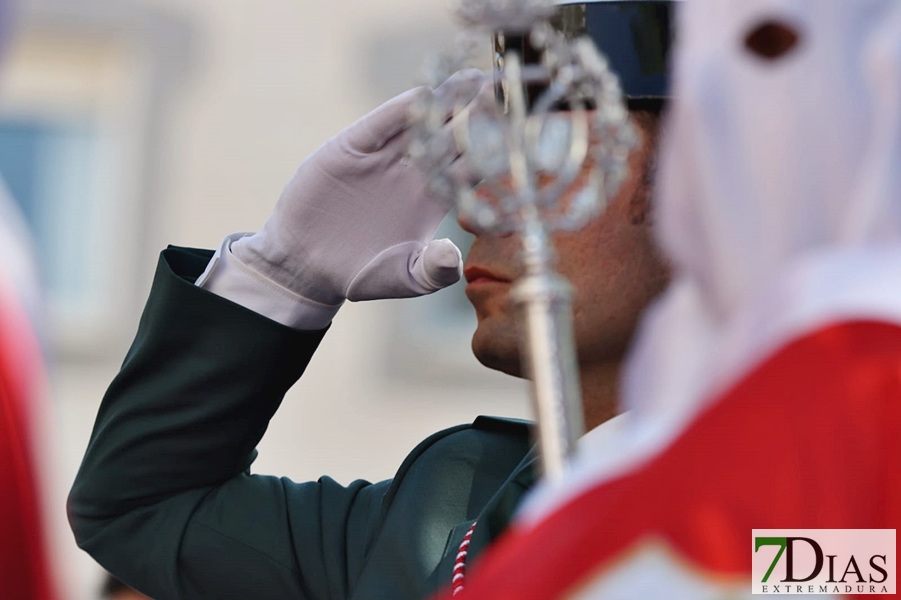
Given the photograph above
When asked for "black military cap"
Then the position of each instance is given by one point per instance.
(634, 35)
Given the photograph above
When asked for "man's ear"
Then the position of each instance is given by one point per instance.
(640, 205)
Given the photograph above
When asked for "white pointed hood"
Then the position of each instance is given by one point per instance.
(779, 205)
(770, 159)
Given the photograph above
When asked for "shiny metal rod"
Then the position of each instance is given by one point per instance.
(544, 302)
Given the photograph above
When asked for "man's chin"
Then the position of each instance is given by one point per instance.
(497, 350)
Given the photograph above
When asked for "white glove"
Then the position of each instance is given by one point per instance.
(356, 222)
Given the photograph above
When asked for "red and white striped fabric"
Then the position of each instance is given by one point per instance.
(765, 386)
(458, 579)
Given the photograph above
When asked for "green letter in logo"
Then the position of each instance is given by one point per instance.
(767, 541)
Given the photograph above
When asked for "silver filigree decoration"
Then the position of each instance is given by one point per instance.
(591, 140)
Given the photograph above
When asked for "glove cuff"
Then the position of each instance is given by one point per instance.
(230, 278)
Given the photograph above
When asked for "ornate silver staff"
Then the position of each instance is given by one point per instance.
(528, 156)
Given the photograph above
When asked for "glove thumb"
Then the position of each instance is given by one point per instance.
(407, 270)
(438, 265)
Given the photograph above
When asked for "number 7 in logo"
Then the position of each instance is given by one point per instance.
(771, 541)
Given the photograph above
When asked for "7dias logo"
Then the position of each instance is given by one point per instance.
(824, 561)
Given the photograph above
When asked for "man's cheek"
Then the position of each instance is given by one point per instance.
(499, 302)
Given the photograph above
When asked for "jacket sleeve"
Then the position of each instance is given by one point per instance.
(164, 498)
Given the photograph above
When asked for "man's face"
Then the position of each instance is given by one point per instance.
(611, 263)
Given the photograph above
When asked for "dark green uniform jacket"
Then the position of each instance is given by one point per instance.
(165, 500)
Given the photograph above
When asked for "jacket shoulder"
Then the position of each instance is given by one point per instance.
(487, 438)
(518, 427)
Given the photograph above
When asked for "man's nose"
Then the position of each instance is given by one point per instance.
(486, 194)
(466, 224)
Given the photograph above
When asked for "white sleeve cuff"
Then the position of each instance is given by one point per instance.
(230, 278)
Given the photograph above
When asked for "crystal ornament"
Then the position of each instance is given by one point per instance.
(595, 131)
(487, 146)
(554, 143)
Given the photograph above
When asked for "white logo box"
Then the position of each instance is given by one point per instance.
(824, 561)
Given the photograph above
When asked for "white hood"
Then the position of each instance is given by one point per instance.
(779, 205)
(768, 160)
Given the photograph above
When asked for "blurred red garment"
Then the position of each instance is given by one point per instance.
(809, 440)
(25, 570)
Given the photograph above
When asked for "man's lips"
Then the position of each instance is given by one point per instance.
(476, 275)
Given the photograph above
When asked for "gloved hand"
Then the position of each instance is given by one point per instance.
(356, 221)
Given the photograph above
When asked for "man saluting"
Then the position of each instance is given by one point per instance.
(165, 498)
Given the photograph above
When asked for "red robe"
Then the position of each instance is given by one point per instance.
(25, 572)
(811, 438)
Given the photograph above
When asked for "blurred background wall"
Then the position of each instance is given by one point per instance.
(127, 125)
